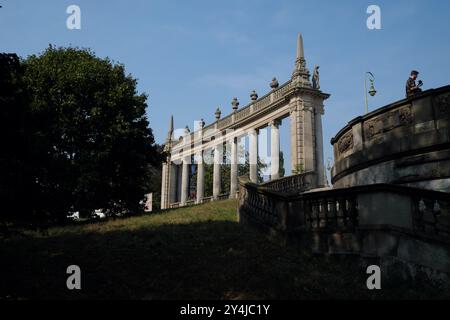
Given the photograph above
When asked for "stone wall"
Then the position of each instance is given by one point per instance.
(406, 142)
(406, 230)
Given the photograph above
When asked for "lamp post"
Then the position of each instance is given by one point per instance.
(371, 91)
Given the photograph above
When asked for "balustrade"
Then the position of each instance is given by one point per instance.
(339, 209)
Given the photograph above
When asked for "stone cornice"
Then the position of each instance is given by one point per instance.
(256, 109)
(388, 107)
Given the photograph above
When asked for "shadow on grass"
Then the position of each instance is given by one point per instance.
(204, 260)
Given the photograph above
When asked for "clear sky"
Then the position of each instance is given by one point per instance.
(192, 56)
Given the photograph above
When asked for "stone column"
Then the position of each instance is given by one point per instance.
(179, 180)
(274, 149)
(216, 174)
(233, 169)
(200, 177)
(320, 166)
(295, 137)
(253, 155)
(173, 187)
(185, 180)
(308, 137)
(164, 186)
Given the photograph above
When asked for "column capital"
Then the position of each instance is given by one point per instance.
(198, 157)
(292, 108)
(187, 159)
(274, 123)
(253, 131)
(320, 109)
(307, 107)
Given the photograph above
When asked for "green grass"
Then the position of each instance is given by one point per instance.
(189, 253)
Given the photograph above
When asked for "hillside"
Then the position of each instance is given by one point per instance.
(190, 253)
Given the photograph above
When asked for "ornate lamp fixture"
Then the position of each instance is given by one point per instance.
(371, 91)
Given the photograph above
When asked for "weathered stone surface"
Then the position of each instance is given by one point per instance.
(296, 99)
(391, 209)
(383, 222)
(394, 135)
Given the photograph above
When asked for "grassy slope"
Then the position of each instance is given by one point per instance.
(190, 253)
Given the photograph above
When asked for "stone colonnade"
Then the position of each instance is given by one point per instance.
(174, 173)
(297, 99)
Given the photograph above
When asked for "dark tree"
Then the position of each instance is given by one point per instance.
(15, 176)
(90, 123)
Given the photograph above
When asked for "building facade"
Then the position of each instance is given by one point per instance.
(299, 98)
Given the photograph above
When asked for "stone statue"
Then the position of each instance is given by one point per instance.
(315, 78)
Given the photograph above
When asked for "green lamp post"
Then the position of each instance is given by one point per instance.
(371, 91)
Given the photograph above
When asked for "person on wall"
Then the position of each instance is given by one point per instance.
(411, 87)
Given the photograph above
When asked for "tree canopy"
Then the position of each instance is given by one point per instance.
(87, 134)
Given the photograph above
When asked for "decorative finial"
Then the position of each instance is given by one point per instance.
(170, 132)
(186, 130)
(202, 123)
(254, 95)
(300, 51)
(235, 103)
(301, 72)
(274, 84)
(218, 113)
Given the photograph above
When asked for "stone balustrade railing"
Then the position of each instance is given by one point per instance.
(192, 202)
(431, 214)
(394, 144)
(207, 199)
(333, 212)
(292, 184)
(416, 210)
(396, 225)
(250, 110)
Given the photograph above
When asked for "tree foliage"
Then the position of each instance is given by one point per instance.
(14, 156)
(88, 135)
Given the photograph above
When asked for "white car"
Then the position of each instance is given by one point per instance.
(74, 215)
(99, 213)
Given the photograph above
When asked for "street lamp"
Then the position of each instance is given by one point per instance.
(371, 91)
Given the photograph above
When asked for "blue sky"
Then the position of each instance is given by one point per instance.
(192, 56)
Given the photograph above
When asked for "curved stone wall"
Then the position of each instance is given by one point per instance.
(406, 142)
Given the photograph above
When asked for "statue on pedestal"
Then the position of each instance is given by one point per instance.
(315, 78)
